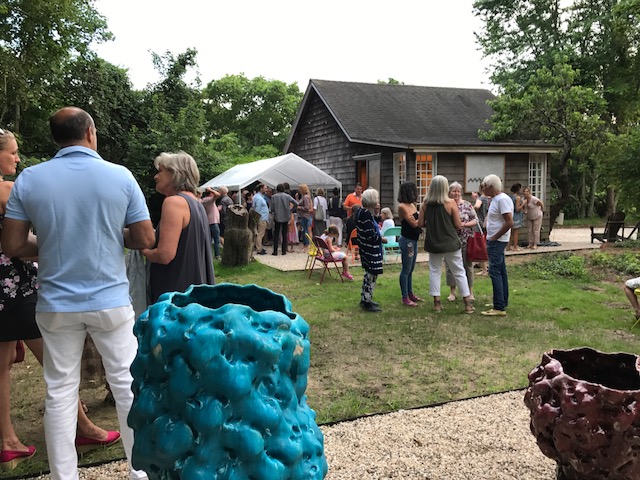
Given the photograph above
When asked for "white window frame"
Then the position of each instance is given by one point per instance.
(399, 174)
(538, 174)
(423, 184)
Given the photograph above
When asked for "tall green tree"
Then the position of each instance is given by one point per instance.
(171, 117)
(37, 38)
(551, 106)
(259, 111)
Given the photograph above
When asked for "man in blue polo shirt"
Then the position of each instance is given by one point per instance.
(85, 211)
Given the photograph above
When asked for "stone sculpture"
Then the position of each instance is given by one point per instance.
(238, 237)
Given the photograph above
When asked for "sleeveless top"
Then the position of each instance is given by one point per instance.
(441, 236)
(518, 217)
(18, 278)
(193, 263)
(335, 207)
(407, 231)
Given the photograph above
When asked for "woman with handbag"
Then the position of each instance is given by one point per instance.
(469, 221)
(440, 215)
(320, 212)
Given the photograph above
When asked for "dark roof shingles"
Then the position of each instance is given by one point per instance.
(405, 114)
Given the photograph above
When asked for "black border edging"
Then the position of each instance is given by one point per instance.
(432, 405)
(46, 472)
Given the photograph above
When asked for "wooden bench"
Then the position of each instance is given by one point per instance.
(615, 223)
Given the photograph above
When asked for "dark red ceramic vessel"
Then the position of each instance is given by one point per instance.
(585, 413)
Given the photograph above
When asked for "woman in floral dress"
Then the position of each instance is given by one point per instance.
(469, 221)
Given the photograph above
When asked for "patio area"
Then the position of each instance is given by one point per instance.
(567, 239)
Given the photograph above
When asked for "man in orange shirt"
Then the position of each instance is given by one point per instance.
(352, 199)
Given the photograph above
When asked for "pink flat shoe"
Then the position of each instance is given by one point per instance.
(9, 459)
(86, 444)
(408, 302)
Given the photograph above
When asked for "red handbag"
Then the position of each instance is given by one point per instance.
(477, 247)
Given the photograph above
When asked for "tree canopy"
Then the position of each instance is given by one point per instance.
(46, 62)
(574, 68)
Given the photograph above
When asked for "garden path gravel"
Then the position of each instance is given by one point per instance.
(484, 438)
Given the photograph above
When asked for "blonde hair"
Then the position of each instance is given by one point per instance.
(4, 138)
(185, 173)
(438, 191)
(319, 191)
(385, 213)
(303, 189)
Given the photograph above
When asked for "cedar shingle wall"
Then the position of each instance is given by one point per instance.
(319, 140)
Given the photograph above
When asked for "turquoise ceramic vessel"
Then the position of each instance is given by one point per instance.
(219, 386)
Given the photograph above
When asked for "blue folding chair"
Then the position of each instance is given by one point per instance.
(391, 247)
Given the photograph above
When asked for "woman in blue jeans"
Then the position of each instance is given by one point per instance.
(410, 232)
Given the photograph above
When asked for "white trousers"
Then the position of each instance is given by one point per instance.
(454, 260)
(64, 335)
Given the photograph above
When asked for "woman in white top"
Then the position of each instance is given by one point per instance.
(320, 212)
(387, 222)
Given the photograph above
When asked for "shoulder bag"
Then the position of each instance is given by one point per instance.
(477, 246)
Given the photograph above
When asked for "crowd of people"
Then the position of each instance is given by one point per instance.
(288, 218)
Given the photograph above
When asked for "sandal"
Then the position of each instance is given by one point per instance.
(437, 306)
(468, 308)
(415, 298)
(451, 297)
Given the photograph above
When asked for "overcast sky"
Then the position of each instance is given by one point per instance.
(418, 42)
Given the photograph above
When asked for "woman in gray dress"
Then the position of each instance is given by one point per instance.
(182, 254)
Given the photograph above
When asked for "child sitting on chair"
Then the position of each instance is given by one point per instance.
(330, 235)
(632, 289)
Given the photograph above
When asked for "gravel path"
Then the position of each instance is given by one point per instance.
(485, 438)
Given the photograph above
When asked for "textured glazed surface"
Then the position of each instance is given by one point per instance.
(585, 413)
(219, 385)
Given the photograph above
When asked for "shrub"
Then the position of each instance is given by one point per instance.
(557, 265)
(627, 263)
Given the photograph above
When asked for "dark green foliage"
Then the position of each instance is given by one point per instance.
(37, 40)
(563, 265)
(626, 263)
(627, 244)
(534, 43)
(258, 111)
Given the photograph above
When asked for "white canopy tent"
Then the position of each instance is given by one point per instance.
(289, 168)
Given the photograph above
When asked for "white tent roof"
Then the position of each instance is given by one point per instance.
(288, 168)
